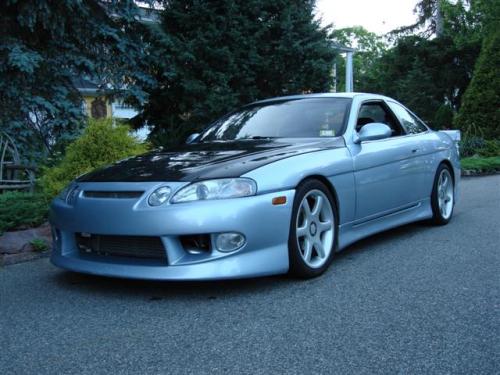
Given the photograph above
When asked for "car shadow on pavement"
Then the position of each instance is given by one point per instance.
(395, 234)
(159, 290)
(168, 290)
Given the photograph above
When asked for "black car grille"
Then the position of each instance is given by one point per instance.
(112, 194)
(121, 246)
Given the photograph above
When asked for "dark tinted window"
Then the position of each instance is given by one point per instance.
(300, 118)
(410, 123)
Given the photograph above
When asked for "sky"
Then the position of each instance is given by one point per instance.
(378, 16)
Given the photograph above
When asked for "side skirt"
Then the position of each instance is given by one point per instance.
(356, 230)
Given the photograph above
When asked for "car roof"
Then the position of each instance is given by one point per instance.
(349, 95)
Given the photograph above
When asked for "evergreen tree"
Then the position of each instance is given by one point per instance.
(480, 112)
(447, 62)
(418, 90)
(425, 75)
(224, 53)
(44, 44)
(429, 19)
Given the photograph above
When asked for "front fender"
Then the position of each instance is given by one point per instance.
(333, 164)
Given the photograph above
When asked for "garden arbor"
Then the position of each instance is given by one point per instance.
(13, 174)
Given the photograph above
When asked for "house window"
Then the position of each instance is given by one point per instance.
(98, 108)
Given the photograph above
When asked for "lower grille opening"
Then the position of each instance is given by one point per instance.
(121, 246)
(196, 244)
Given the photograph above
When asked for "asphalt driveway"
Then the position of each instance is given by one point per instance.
(417, 299)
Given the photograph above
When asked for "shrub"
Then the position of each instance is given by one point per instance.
(20, 210)
(491, 148)
(470, 146)
(477, 146)
(101, 143)
(39, 244)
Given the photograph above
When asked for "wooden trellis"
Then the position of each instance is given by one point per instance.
(13, 174)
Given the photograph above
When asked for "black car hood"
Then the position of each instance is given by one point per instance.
(207, 160)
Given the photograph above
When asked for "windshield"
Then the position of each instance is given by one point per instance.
(296, 118)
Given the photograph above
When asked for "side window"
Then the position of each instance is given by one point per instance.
(377, 112)
(410, 123)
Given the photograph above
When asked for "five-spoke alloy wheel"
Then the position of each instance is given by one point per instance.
(443, 196)
(313, 232)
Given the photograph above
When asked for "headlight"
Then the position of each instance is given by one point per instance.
(69, 193)
(64, 193)
(159, 196)
(216, 189)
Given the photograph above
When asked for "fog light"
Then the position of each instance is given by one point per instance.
(227, 242)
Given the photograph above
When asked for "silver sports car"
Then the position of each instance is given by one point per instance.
(276, 186)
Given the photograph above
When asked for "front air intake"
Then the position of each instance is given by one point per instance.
(121, 246)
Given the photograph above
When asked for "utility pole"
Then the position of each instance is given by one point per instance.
(334, 76)
(349, 76)
(439, 20)
(349, 69)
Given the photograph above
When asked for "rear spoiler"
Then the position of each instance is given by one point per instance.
(455, 135)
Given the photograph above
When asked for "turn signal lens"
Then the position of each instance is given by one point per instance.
(279, 200)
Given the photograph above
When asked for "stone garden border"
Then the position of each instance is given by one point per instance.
(16, 247)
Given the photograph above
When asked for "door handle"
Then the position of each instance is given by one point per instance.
(414, 150)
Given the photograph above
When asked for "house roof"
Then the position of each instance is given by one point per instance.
(84, 85)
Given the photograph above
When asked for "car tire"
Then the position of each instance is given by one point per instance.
(443, 196)
(313, 230)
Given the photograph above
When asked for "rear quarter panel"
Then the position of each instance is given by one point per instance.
(435, 148)
(450, 153)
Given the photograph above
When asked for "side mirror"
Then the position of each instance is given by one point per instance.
(192, 137)
(373, 131)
